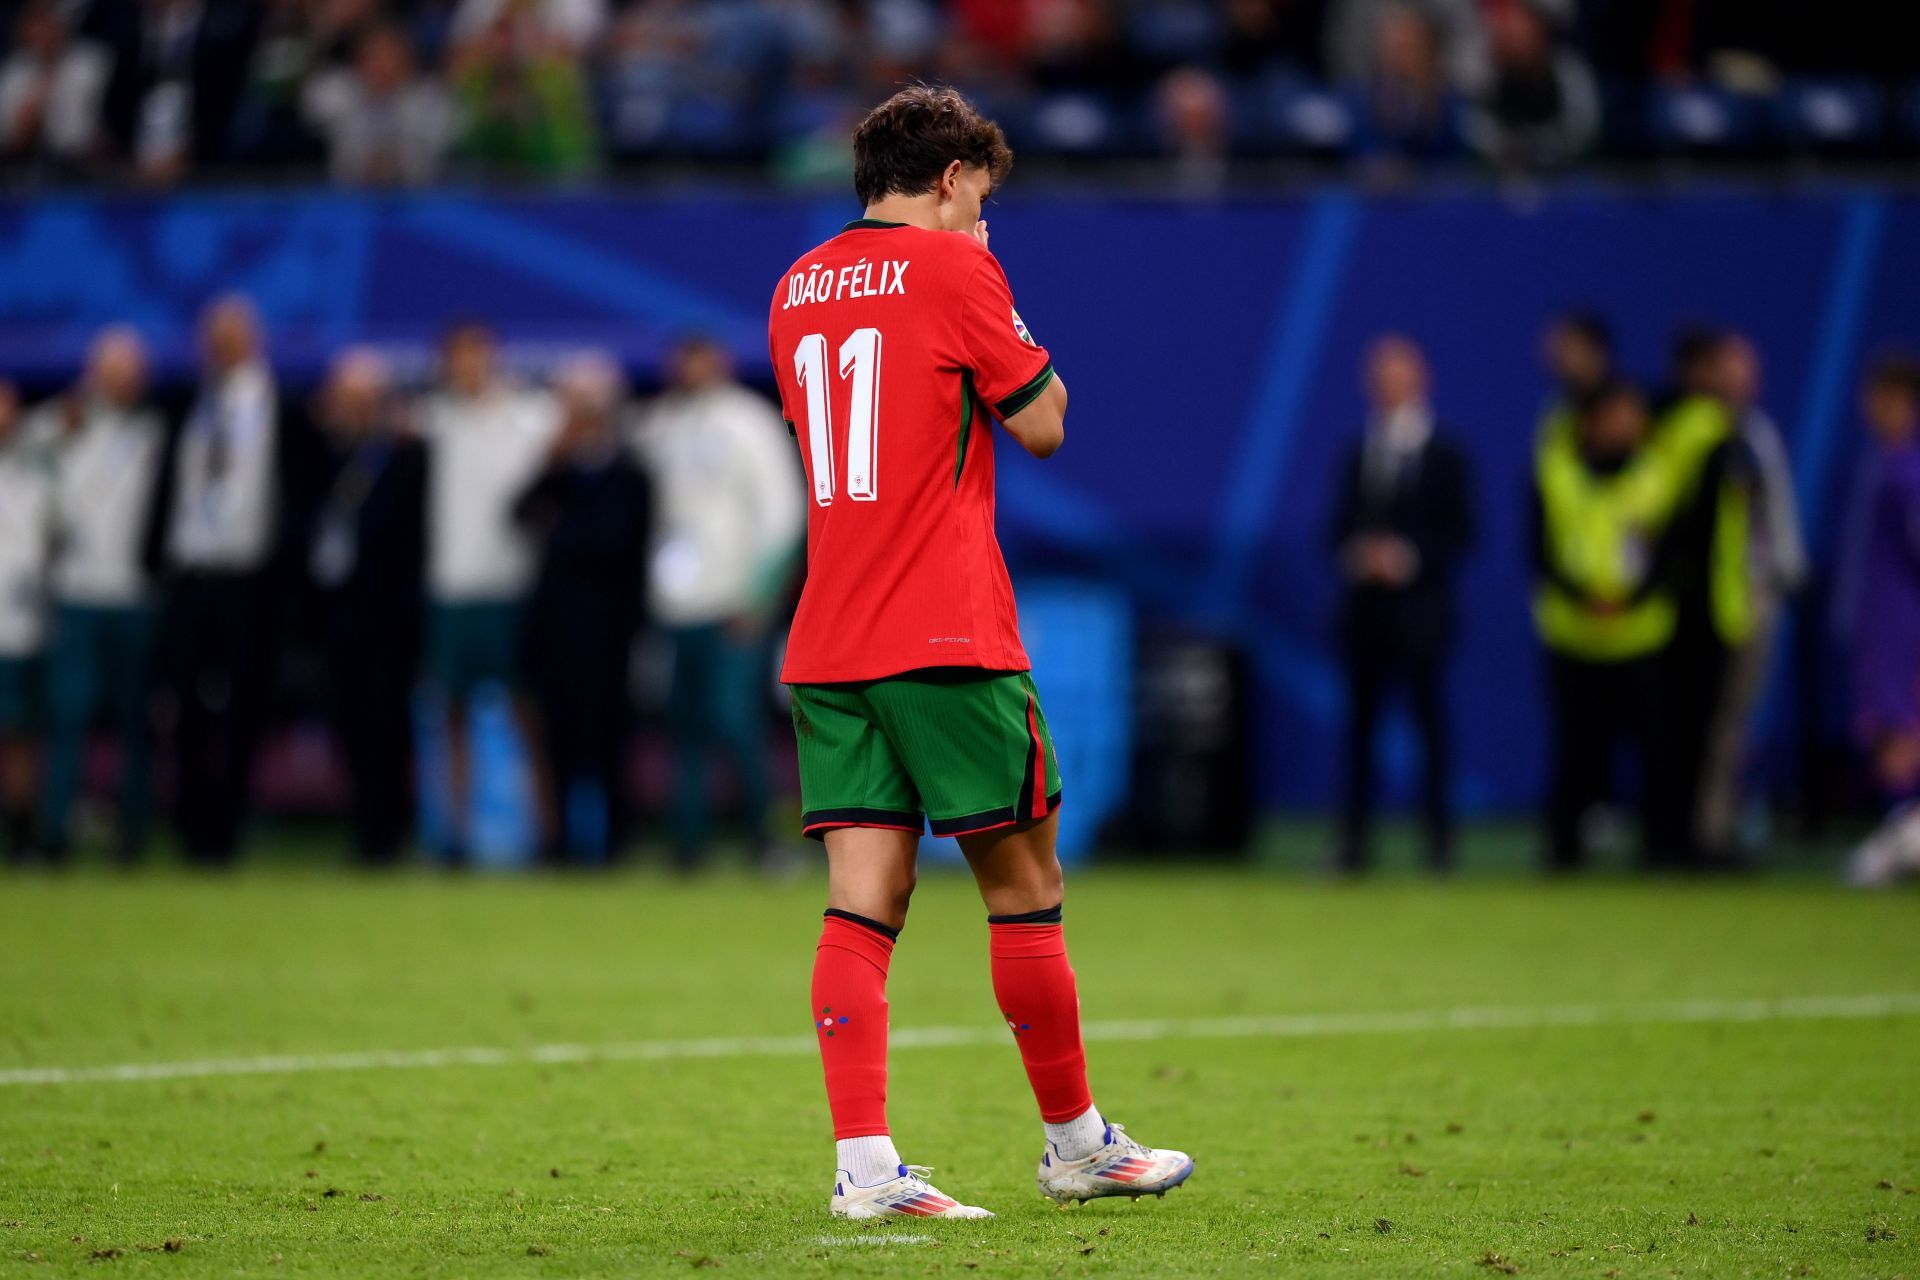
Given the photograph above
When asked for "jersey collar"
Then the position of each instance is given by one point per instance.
(869, 224)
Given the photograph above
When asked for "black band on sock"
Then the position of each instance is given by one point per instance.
(889, 932)
(1050, 915)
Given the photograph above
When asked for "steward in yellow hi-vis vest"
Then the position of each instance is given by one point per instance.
(1605, 497)
(1710, 548)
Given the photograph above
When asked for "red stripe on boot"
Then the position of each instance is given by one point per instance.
(850, 1019)
(1034, 984)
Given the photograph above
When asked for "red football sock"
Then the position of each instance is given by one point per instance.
(850, 1017)
(1034, 985)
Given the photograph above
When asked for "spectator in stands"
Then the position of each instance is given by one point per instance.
(52, 90)
(1352, 33)
(590, 512)
(26, 524)
(485, 439)
(1075, 46)
(1877, 609)
(367, 558)
(300, 43)
(1604, 610)
(1194, 128)
(221, 532)
(1407, 105)
(1403, 521)
(1540, 109)
(1774, 569)
(569, 26)
(525, 102)
(180, 70)
(108, 447)
(1271, 35)
(731, 520)
(384, 124)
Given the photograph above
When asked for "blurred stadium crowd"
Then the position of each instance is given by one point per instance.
(482, 536)
(407, 92)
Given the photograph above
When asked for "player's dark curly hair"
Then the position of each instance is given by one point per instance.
(907, 142)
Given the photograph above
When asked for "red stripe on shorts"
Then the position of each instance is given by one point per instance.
(1039, 760)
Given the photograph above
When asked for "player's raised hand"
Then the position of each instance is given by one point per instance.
(979, 232)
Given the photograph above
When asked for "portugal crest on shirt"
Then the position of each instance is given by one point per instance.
(1020, 327)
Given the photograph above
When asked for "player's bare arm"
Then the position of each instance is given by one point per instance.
(1041, 427)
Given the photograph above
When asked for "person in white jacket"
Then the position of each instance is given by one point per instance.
(26, 525)
(107, 444)
(730, 524)
(486, 438)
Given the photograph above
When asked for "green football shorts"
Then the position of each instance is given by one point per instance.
(967, 749)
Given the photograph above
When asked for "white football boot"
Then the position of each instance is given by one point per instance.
(909, 1195)
(1120, 1168)
(1890, 854)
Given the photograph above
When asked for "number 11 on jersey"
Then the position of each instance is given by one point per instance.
(860, 364)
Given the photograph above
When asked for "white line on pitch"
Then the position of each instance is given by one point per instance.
(1252, 1027)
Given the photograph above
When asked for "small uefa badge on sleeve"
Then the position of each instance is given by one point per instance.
(1020, 327)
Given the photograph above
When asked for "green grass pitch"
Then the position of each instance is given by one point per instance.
(1746, 1140)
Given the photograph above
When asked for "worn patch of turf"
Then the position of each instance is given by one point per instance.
(1765, 1148)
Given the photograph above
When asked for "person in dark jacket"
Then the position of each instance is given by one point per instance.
(220, 527)
(590, 512)
(1403, 522)
(366, 559)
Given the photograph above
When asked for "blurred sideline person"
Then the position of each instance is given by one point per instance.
(1403, 522)
(220, 542)
(1578, 350)
(731, 523)
(1691, 450)
(485, 438)
(108, 447)
(26, 523)
(1604, 611)
(1762, 529)
(590, 513)
(1877, 608)
(366, 558)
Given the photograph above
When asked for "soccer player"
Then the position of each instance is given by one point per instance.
(897, 346)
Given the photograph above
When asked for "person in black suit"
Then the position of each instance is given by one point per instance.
(1403, 521)
(366, 558)
(590, 512)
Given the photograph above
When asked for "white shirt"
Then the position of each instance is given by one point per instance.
(731, 501)
(398, 138)
(76, 86)
(578, 22)
(1394, 444)
(26, 533)
(224, 504)
(103, 486)
(484, 452)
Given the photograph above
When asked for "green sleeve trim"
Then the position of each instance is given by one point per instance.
(791, 429)
(1026, 395)
(966, 425)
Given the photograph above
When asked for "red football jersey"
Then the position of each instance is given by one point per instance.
(890, 344)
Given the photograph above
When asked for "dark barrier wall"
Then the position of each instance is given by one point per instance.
(1212, 354)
